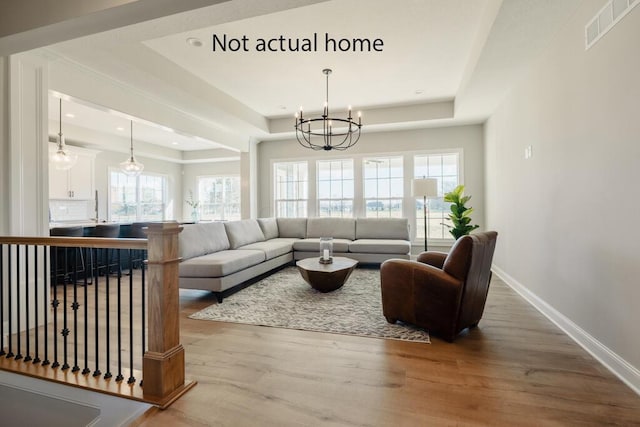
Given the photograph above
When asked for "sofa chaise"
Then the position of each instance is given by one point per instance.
(223, 256)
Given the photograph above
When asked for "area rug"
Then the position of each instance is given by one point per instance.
(285, 300)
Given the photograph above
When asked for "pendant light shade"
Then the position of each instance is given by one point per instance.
(63, 159)
(131, 166)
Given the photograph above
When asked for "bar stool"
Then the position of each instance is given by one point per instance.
(137, 232)
(106, 259)
(67, 259)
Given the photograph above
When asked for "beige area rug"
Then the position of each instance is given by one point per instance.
(285, 300)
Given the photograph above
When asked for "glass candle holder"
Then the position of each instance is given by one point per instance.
(326, 250)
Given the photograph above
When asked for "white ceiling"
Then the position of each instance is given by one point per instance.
(444, 62)
(426, 48)
(83, 114)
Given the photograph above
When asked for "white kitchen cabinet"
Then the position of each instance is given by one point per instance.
(76, 183)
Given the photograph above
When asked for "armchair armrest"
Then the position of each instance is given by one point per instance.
(421, 294)
(433, 258)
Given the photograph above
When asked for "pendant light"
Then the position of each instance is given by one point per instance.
(130, 166)
(63, 159)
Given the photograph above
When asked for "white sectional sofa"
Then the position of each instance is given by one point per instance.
(223, 256)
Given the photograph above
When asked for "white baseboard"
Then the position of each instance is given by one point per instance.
(616, 364)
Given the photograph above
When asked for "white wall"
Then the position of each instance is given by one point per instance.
(568, 234)
(469, 138)
(190, 174)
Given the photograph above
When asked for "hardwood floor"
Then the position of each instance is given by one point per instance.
(516, 368)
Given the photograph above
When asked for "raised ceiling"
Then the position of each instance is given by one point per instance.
(444, 62)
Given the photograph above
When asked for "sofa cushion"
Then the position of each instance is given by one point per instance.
(201, 239)
(312, 244)
(269, 227)
(380, 246)
(243, 232)
(220, 264)
(338, 228)
(292, 227)
(382, 228)
(271, 248)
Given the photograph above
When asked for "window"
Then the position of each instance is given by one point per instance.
(138, 198)
(383, 187)
(443, 167)
(219, 197)
(335, 188)
(291, 181)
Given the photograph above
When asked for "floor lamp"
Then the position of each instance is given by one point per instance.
(427, 188)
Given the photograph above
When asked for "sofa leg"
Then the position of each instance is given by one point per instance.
(219, 297)
(391, 320)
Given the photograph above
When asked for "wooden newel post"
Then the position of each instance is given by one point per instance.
(163, 363)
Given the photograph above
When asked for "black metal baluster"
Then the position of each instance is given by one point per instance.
(144, 305)
(144, 301)
(97, 372)
(19, 343)
(91, 252)
(131, 379)
(47, 285)
(75, 306)
(55, 303)
(27, 358)
(119, 377)
(36, 359)
(108, 323)
(2, 352)
(65, 329)
(10, 303)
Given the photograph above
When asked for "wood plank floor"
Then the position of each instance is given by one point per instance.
(516, 368)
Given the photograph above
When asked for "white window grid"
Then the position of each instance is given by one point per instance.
(335, 183)
(291, 192)
(383, 186)
(219, 197)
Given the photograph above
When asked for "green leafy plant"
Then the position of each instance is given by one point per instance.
(460, 214)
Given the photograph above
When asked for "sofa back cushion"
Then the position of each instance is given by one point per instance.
(243, 232)
(339, 228)
(269, 227)
(201, 239)
(292, 227)
(382, 228)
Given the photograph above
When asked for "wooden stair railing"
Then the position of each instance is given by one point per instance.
(163, 365)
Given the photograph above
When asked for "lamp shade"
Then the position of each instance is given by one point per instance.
(425, 187)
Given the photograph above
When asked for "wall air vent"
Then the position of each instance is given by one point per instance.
(612, 12)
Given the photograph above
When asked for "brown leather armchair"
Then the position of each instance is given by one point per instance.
(443, 293)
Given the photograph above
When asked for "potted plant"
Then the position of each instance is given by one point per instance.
(460, 214)
(194, 206)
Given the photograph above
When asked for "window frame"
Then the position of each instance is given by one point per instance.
(332, 200)
(139, 203)
(224, 203)
(418, 215)
(274, 187)
(398, 199)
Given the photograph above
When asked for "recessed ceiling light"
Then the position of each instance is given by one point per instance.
(195, 42)
(70, 115)
(419, 91)
(120, 128)
(282, 107)
(174, 143)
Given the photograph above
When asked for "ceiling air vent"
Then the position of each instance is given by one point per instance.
(612, 12)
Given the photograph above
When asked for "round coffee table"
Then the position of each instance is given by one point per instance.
(326, 277)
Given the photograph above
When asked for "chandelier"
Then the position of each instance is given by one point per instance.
(131, 167)
(63, 159)
(319, 134)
